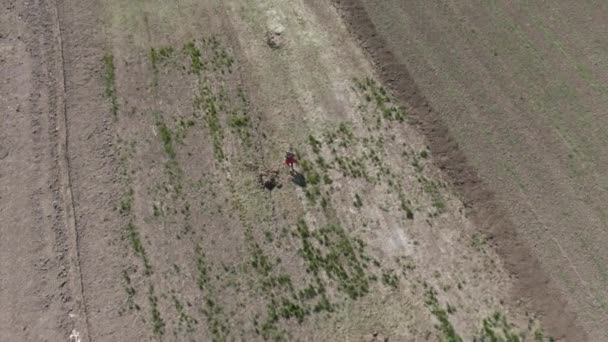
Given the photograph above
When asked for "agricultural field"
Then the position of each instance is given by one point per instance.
(135, 134)
(521, 88)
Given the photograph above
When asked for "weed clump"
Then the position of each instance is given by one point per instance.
(166, 138)
(160, 55)
(196, 61)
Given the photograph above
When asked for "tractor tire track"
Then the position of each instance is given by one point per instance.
(81, 332)
(91, 168)
(39, 273)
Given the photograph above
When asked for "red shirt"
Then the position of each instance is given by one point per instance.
(291, 160)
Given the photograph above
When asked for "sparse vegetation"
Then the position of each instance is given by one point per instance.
(126, 202)
(377, 96)
(110, 82)
(326, 266)
(390, 279)
(445, 327)
(221, 61)
(478, 242)
(329, 250)
(432, 188)
(130, 290)
(177, 236)
(196, 62)
(159, 56)
(183, 317)
(166, 137)
(206, 101)
(210, 308)
(158, 324)
(138, 246)
(405, 206)
(315, 144)
(240, 123)
(497, 328)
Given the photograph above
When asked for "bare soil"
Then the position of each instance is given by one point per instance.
(134, 134)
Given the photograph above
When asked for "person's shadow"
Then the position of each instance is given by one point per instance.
(298, 179)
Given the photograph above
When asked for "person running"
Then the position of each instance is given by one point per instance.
(290, 160)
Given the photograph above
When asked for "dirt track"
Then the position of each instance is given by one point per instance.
(132, 137)
(40, 279)
(50, 80)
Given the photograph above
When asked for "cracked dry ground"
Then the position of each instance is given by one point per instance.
(133, 134)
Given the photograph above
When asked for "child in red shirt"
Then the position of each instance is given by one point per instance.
(290, 160)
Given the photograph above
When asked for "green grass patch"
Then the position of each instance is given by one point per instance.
(207, 102)
(497, 328)
(172, 168)
(181, 128)
(126, 202)
(315, 144)
(160, 56)
(158, 324)
(216, 321)
(130, 290)
(110, 82)
(138, 247)
(183, 318)
(383, 105)
(405, 206)
(432, 188)
(239, 121)
(196, 61)
(241, 125)
(331, 251)
(445, 327)
(166, 137)
(221, 60)
(390, 279)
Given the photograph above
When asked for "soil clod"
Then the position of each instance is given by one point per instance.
(270, 179)
(274, 39)
(375, 337)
